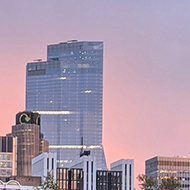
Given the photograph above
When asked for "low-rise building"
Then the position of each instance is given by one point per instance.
(165, 167)
(127, 169)
(44, 163)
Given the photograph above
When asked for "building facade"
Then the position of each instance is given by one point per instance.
(89, 167)
(165, 167)
(70, 178)
(29, 140)
(127, 169)
(7, 156)
(67, 91)
(119, 179)
(44, 163)
(108, 180)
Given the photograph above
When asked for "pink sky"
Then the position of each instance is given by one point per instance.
(146, 67)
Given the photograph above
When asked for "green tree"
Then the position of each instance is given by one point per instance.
(170, 184)
(48, 183)
(149, 183)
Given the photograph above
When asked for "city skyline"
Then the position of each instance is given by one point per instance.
(146, 95)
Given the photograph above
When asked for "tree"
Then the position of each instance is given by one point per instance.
(170, 184)
(149, 183)
(48, 183)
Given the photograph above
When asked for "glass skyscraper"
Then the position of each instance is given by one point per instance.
(67, 91)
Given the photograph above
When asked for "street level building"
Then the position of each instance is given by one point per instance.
(7, 156)
(126, 166)
(70, 178)
(108, 180)
(67, 91)
(44, 163)
(121, 176)
(165, 167)
(88, 165)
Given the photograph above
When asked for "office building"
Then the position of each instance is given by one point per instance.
(108, 180)
(88, 165)
(44, 163)
(70, 178)
(29, 141)
(7, 156)
(164, 167)
(121, 176)
(67, 91)
(127, 169)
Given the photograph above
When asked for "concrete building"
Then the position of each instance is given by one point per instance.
(44, 163)
(7, 156)
(67, 91)
(127, 169)
(121, 176)
(165, 167)
(29, 140)
(89, 167)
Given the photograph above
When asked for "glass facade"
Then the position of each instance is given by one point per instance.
(69, 179)
(67, 91)
(108, 180)
(165, 167)
(6, 149)
(5, 164)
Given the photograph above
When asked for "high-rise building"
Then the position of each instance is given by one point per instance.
(29, 140)
(165, 167)
(67, 91)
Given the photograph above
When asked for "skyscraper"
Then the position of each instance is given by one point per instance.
(30, 142)
(67, 91)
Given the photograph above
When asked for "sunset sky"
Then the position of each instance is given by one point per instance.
(146, 104)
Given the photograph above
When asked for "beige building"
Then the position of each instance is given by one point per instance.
(7, 156)
(165, 167)
(30, 142)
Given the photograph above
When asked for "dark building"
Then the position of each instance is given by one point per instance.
(108, 180)
(6, 144)
(70, 179)
(30, 142)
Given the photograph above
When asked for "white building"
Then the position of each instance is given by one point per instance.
(44, 163)
(88, 164)
(127, 168)
(14, 185)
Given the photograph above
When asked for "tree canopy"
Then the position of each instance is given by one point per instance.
(48, 183)
(149, 183)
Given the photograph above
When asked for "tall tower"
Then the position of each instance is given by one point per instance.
(67, 91)
(30, 142)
